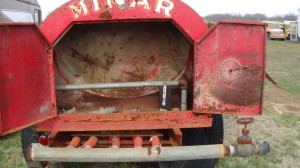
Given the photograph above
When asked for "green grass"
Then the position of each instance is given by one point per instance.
(11, 155)
(288, 120)
(283, 62)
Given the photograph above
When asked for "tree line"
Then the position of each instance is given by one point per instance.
(250, 17)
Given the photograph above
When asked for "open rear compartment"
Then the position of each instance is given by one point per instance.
(117, 56)
(115, 53)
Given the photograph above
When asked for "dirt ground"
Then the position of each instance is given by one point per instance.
(282, 101)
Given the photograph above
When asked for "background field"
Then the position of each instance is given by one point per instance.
(279, 125)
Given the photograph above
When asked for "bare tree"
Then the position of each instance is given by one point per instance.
(249, 17)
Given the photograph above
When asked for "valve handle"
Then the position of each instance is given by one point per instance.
(245, 121)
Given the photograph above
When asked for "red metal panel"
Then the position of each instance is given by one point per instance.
(78, 11)
(125, 121)
(27, 94)
(230, 69)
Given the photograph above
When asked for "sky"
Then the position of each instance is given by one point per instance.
(268, 7)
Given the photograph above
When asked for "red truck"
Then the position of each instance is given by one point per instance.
(130, 81)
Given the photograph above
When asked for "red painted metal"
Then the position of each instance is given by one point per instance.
(134, 121)
(82, 11)
(230, 69)
(26, 77)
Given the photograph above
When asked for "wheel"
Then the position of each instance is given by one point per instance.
(215, 134)
(200, 136)
(268, 34)
(29, 136)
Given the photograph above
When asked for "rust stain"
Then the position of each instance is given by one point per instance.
(247, 90)
(136, 76)
(86, 58)
(106, 15)
(154, 71)
(6, 80)
(158, 150)
(226, 151)
(94, 61)
(151, 60)
(248, 55)
(149, 151)
(55, 62)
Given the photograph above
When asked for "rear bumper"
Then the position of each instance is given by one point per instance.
(40, 153)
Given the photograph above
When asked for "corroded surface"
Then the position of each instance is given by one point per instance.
(229, 69)
(121, 52)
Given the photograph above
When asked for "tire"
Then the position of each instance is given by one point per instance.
(215, 134)
(29, 136)
(200, 136)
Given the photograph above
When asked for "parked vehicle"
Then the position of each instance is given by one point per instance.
(277, 34)
(286, 27)
(20, 11)
(144, 81)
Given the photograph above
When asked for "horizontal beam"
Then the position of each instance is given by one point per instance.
(116, 85)
(125, 121)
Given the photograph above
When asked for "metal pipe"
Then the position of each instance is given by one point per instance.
(75, 142)
(183, 100)
(116, 85)
(91, 143)
(41, 153)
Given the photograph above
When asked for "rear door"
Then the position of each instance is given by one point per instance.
(27, 91)
(230, 69)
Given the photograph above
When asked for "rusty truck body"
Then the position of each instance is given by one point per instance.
(130, 81)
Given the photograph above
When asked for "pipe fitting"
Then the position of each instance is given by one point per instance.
(91, 143)
(245, 150)
(138, 142)
(183, 84)
(75, 142)
(115, 142)
(155, 142)
(263, 148)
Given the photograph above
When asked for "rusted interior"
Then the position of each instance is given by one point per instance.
(120, 52)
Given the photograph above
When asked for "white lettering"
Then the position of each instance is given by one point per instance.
(140, 2)
(96, 5)
(109, 4)
(78, 9)
(167, 9)
(164, 101)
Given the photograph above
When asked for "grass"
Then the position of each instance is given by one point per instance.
(11, 155)
(289, 120)
(283, 62)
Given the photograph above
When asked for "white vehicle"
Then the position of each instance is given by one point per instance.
(277, 34)
(27, 11)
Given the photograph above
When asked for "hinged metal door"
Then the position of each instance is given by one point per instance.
(230, 69)
(27, 91)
